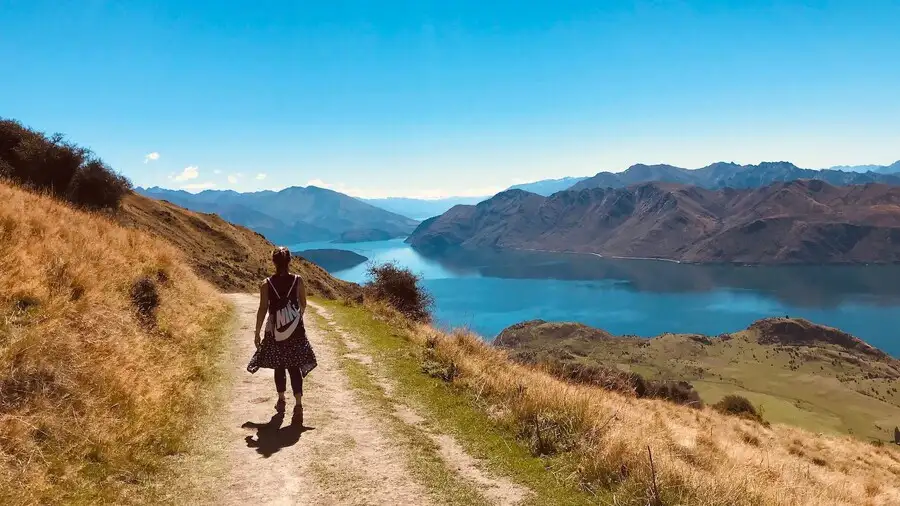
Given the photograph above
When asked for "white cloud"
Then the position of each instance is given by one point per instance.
(260, 176)
(151, 157)
(424, 194)
(217, 171)
(190, 172)
(233, 178)
(199, 186)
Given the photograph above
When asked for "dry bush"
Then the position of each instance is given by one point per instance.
(678, 392)
(629, 383)
(400, 288)
(145, 298)
(737, 405)
(587, 374)
(701, 456)
(92, 400)
(52, 164)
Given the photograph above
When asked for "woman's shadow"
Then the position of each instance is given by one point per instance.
(271, 437)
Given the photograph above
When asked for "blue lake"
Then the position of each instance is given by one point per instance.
(488, 291)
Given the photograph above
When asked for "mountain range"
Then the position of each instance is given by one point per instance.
(548, 187)
(293, 215)
(303, 214)
(804, 221)
(421, 209)
(731, 175)
(881, 169)
(715, 176)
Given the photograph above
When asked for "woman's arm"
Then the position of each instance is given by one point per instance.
(301, 294)
(261, 312)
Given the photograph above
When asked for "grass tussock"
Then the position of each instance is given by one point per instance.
(700, 456)
(629, 383)
(106, 340)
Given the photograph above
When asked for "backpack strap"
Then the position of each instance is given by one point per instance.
(293, 284)
(272, 285)
(290, 290)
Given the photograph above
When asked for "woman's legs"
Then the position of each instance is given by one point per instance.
(281, 381)
(281, 386)
(296, 382)
(297, 386)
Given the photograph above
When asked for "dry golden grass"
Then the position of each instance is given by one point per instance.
(92, 400)
(701, 457)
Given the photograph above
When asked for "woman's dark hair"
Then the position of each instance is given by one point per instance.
(281, 257)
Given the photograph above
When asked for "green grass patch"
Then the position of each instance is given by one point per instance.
(820, 388)
(773, 409)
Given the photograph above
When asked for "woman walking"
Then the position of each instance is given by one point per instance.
(284, 346)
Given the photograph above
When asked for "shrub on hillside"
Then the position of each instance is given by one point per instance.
(95, 185)
(737, 405)
(400, 288)
(678, 392)
(588, 374)
(52, 164)
(145, 298)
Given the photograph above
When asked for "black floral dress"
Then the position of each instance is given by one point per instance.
(285, 344)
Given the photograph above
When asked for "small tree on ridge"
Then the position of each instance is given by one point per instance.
(400, 288)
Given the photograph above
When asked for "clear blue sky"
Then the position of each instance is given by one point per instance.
(452, 97)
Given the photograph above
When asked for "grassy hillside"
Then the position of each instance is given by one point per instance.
(799, 373)
(600, 441)
(231, 257)
(107, 341)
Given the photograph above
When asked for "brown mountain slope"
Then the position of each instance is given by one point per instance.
(231, 257)
(792, 222)
(801, 373)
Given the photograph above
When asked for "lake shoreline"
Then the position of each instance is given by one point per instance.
(491, 289)
(728, 263)
(603, 256)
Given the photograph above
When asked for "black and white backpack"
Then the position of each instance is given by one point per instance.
(284, 314)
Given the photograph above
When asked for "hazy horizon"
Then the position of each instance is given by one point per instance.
(356, 192)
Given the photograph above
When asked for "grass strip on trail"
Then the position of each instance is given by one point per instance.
(446, 409)
(424, 460)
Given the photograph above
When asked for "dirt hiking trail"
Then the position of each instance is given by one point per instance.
(346, 451)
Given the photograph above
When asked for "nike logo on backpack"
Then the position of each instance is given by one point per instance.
(288, 332)
(283, 314)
